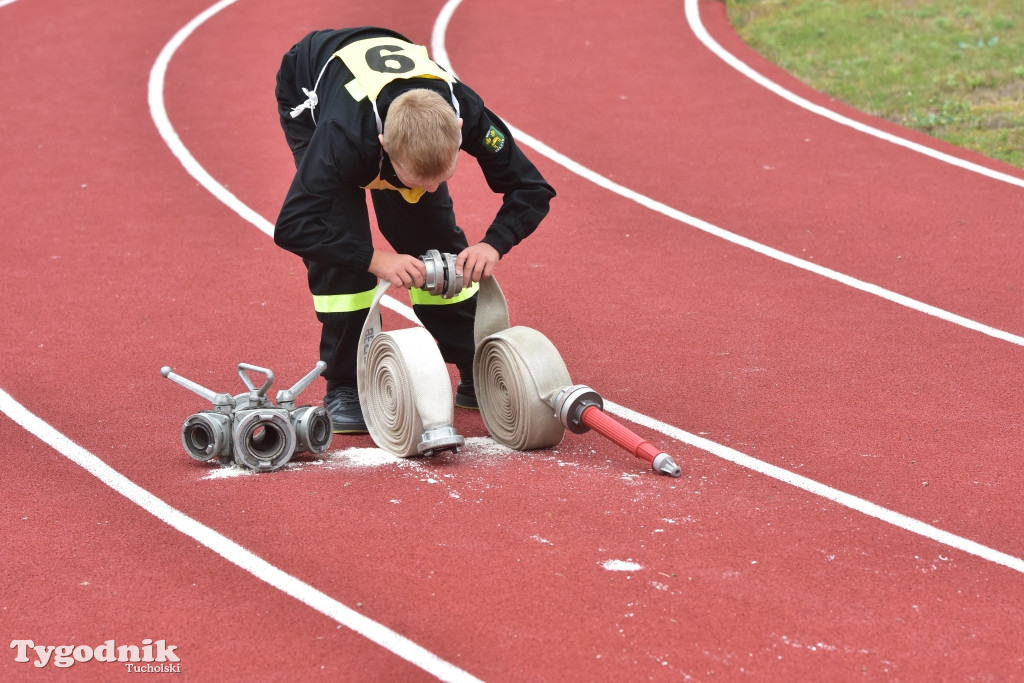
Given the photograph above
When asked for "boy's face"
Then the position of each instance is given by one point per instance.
(410, 179)
(429, 184)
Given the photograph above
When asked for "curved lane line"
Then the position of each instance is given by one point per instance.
(229, 550)
(840, 497)
(697, 26)
(741, 459)
(441, 55)
(158, 111)
(378, 633)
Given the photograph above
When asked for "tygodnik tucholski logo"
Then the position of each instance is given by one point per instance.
(150, 657)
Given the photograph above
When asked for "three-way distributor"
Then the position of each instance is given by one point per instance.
(249, 428)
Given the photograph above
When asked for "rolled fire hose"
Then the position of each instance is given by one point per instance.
(517, 372)
(526, 396)
(404, 389)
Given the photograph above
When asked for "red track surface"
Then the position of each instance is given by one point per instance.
(117, 262)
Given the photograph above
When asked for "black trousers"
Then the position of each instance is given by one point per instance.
(409, 228)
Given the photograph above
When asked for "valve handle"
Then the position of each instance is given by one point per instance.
(211, 396)
(262, 391)
(288, 396)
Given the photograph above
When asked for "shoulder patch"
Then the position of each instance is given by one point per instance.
(494, 140)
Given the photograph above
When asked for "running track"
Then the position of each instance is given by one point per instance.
(849, 506)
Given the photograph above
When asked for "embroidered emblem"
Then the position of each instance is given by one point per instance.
(494, 140)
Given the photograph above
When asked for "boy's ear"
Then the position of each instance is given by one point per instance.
(460, 126)
(380, 137)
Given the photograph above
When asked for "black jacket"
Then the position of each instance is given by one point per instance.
(343, 151)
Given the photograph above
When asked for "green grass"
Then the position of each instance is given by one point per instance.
(951, 68)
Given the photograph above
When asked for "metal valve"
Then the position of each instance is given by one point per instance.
(248, 428)
(441, 279)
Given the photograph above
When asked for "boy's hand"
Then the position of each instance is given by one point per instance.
(401, 270)
(477, 262)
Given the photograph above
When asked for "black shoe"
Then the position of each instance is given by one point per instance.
(465, 395)
(342, 404)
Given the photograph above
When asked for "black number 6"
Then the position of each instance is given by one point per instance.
(388, 63)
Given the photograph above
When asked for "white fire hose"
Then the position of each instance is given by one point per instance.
(517, 372)
(526, 396)
(404, 389)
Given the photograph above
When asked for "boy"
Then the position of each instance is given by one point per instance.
(366, 109)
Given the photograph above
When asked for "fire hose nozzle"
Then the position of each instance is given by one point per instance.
(580, 408)
(664, 463)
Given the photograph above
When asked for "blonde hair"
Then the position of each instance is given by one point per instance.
(422, 133)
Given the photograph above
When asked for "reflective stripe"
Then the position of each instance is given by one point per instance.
(422, 298)
(343, 303)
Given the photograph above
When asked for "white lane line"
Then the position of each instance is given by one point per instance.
(840, 497)
(899, 520)
(836, 496)
(158, 111)
(441, 55)
(378, 633)
(231, 551)
(697, 26)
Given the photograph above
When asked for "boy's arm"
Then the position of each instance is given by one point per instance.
(526, 196)
(324, 199)
(477, 261)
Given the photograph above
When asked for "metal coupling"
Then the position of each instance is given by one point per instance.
(438, 439)
(207, 435)
(313, 429)
(570, 403)
(263, 439)
(441, 279)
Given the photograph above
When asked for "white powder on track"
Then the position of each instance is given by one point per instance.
(367, 457)
(482, 446)
(229, 471)
(621, 566)
(486, 446)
